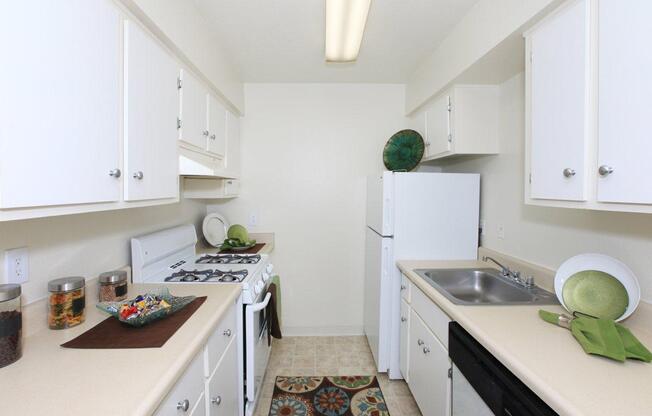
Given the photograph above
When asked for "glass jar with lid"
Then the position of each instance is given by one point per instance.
(11, 324)
(113, 286)
(67, 305)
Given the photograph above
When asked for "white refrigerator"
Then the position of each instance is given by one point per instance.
(411, 216)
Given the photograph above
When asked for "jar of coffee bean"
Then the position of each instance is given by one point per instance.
(11, 324)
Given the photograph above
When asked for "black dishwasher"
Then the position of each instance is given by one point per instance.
(478, 375)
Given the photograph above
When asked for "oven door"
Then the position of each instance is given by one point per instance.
(257, 347)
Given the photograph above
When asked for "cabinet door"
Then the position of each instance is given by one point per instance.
(223, 385)
(194, 111)
(558, 96)
(428, 369)
(404, 347)
(233, 161)
(216, 126)
(438, 126)
(625, 88)
(151, 108)
(59, 137)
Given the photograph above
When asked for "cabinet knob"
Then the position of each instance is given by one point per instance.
(227, 333)
(420, 342)
(426, 350)
(216, 400)
(605, 170)
(569, 173)
(183, 405)
(205, 133)
(427, 144)
(139, 175)
(403, 319)
(403, 287)
(213, 137)
(116, 173)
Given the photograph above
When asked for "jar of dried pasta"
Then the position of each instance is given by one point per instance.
(67, 304)
(113, 286)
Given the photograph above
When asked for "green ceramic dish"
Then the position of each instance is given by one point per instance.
(403, 151)
(595, 293)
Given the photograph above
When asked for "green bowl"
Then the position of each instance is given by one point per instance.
(595, 293)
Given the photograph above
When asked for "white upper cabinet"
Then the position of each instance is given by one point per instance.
(558, 79)
(233, 161)
(60, 134)
(194, 111)
(625, 104)
(463, 121)
(216, 127)
(588, 105)
(151, 109)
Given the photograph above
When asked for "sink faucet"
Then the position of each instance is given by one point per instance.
(511, 274)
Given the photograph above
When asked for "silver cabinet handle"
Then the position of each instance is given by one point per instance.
(213, 137)
(216, 400)
(116, 173)
(139, 175)
(605, 170)
(426, 350)
(568, 172)
(183, 405)
(403, 287)
(420, 342)
(403, 319)
(205, 133)
(227, 333)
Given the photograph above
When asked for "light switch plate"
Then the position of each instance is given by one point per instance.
(17, 265)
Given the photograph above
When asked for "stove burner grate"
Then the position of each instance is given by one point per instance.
(211, 276)
(228, 259)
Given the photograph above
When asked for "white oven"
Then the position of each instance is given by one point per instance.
(257, 347)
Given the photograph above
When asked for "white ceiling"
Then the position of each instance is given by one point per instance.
(283, 40)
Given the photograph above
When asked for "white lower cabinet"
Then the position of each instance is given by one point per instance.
(222, 386)
(210, 385)
(429, 367)
(404, 340)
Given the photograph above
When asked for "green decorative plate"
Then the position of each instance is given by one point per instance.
(595, 293)
(403, 151)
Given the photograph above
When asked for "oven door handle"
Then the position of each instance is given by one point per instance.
(262, 305)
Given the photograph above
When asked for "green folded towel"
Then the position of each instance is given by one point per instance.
(276, 279)
(601, 336)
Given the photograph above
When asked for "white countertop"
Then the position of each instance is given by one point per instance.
(548, 358)
(51, 380)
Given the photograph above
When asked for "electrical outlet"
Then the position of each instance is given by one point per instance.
(17, 265)
(501, 232)
(253, 220)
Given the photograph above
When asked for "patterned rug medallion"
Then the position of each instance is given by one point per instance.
(328, 396)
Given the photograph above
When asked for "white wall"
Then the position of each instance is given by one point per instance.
(86, 244)
(548, 236)
(307, 149)
(485, 26)
(192, 33)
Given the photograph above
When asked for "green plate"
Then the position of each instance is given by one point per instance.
(403, 151)
(595, 293)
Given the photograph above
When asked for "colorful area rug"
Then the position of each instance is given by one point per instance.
(328, 396)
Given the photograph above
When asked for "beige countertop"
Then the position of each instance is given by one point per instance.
(51, 380)
(547, 358)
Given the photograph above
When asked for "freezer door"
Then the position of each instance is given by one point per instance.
(379, 203)
(377, 299)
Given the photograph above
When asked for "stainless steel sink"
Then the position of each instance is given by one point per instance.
(484, 287)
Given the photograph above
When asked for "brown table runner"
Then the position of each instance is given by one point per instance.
(112, 333)
(253, 250)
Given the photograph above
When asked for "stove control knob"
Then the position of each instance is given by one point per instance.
(269, 268)
(260, 286)
(256, 289)
(265, 276)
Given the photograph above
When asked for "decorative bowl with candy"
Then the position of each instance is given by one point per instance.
(146, 308)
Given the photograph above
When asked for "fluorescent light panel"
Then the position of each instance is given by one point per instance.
(345, 22)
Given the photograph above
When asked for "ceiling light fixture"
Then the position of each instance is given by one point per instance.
(345, 22)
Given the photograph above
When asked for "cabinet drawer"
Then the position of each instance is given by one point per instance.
(222, 387)
(434, 317)
(200, 407)
(225, 331)
(406, 288)
(189, 387)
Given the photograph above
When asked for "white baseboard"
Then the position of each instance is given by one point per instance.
(332, 331)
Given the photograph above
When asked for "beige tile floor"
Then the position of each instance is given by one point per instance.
(331, 356)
